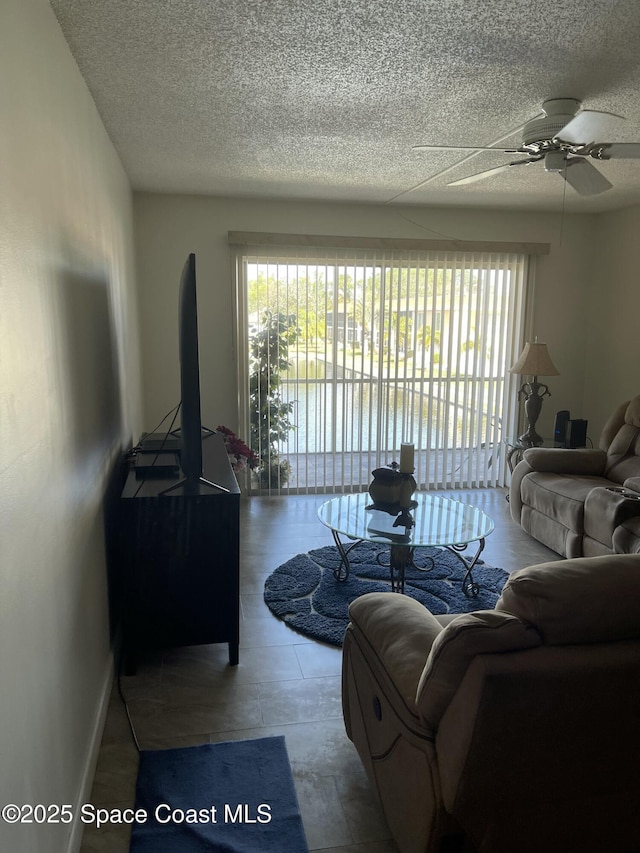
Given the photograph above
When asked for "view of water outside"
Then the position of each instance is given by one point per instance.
(353, 413)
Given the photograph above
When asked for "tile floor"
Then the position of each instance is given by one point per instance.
(284, 684)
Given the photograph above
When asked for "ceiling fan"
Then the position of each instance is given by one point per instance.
(563, 138)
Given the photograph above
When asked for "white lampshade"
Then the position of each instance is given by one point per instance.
(535, 361)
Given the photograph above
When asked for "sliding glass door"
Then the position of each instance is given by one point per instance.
(345, 354)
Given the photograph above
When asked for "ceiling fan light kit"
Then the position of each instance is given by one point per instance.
(563, 138)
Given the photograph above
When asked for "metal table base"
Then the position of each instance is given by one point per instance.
(402, 556)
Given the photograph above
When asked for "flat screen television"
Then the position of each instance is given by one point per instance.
(191, 430)
(190, 415)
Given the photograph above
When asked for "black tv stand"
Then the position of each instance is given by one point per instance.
(193, 486)
(179, 559)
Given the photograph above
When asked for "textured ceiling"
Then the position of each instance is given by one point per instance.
(324, 99)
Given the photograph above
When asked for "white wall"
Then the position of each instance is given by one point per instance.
(69, 370)
(170, 226)
(611, 335)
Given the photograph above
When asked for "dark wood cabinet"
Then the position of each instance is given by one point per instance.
(179, 560)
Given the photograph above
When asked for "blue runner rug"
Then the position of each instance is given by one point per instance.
(305, 594)
(232, 797)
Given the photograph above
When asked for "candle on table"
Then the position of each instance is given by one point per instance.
(406, 458)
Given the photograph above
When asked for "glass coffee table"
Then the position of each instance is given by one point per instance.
(437, 521)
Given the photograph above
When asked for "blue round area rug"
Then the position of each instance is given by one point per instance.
(305, 594)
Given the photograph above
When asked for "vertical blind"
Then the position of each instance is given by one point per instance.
(345, 353)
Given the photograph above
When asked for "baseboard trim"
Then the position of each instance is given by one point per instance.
(84, 794)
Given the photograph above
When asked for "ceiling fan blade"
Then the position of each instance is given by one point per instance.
(464, 148)
(480, 176)
(589, 126)
(584, 178)
(617, 151)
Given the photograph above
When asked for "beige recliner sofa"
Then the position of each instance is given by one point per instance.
(574, 500)
(507, 730)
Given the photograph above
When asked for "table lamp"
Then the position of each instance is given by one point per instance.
(534, 361)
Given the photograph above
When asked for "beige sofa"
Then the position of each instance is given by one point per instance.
(574, 501)
(507, 730)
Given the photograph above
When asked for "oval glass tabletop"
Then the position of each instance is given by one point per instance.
(436, 521)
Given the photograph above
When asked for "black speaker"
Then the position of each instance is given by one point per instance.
(577, 436)
(561, 428)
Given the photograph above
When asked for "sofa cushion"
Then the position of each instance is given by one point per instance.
(560, 496)
(623, 460)
(623, 453)
(613, 424)
(471, 634)
(632, 413)
(585, 600)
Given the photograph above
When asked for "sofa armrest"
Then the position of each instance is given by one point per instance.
(626, 537)
(606, 508)
(471, 634)
(515, 498)
(560, 460)
(398, 633)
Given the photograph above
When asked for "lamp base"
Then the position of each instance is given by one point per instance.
(530, 438)
(533, 392)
